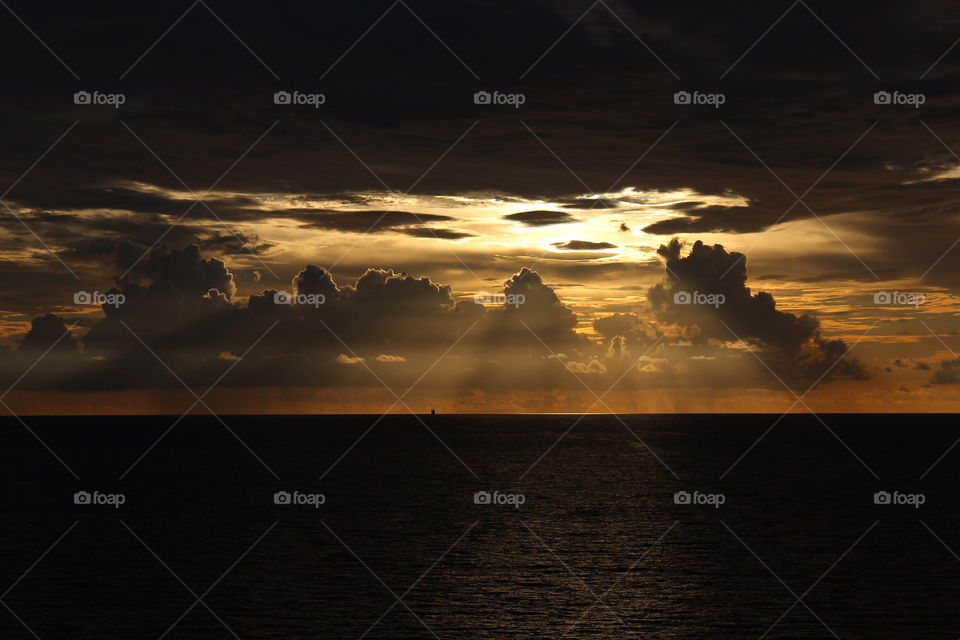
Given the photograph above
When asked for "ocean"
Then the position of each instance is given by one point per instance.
(481, 526)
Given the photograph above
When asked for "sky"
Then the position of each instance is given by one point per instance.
(480, 207)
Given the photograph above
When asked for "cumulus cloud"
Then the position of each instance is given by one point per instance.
(634, 334)
(183, 308)
(591, 367)
(541, 312)
(705, 294)
(48, 332)
(316, 280)
(185, 271)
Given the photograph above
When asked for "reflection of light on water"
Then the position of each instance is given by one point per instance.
(567, 413)
(598, 550)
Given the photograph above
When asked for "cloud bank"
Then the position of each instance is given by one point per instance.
(181, 313)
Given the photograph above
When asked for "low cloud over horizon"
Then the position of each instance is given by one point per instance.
(177, 317)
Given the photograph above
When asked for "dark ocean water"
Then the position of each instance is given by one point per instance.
(598, 549)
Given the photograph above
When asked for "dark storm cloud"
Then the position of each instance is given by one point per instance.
(541, 218)
(705, 293)
(699, 41)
